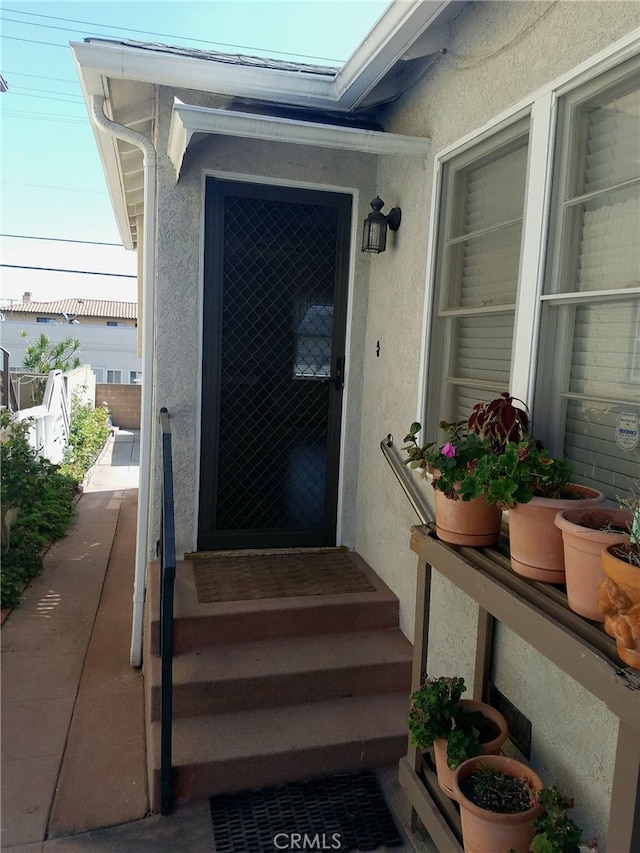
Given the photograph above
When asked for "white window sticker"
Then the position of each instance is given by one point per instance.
(627, 431)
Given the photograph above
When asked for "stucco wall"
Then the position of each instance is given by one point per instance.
(179, 289)
(498, 54)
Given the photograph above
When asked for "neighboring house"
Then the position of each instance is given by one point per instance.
(507, 133)
(107, 331)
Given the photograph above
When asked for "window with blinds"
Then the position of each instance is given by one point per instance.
(589, 373)
(477, 273)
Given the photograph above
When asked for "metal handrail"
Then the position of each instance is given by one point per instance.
(167, 578)
(414, 496)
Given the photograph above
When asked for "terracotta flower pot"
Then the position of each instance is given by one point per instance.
(582, 553)
(535, 543)
(474, 523)
(491, 747)
(489, 832)
(619, 601)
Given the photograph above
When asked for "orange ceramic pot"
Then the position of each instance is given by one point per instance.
(474, 523)
(444, 772)
(582, 553)
(620, 603)
(535, 543)
(490, 832)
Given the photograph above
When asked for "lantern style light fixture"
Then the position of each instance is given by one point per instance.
(374, 234)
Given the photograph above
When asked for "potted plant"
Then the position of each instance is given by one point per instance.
(534, 486)
(456, 728)
(498, 799)
(619, 598)
(585, 532)
(556, 832)
(463, 514)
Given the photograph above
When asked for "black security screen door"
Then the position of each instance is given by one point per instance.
(276, 264)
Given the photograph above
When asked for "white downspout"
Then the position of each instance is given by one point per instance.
(146, 414)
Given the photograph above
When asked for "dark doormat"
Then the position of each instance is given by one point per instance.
(246, 577)
(342, 812)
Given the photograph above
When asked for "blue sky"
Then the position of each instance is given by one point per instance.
(52, 181)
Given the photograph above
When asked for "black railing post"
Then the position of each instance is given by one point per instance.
(167, 578)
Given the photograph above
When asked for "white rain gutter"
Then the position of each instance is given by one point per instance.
(148, 280)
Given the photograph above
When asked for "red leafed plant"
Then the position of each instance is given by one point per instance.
(500, 421)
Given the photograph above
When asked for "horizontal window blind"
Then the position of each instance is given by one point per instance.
(593, 364)
(478, 266)
(608, 222)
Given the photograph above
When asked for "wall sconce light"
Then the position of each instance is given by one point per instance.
(374, 234)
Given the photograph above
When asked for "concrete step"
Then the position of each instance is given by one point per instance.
(230, 752)
(290, 671)
(199, 625)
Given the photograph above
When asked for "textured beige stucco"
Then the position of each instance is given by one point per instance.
(573, 737)
(180, 207)
(499, 53)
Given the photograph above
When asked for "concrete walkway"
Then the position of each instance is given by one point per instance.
(73, 755)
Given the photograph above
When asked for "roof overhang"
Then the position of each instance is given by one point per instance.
(188, 120)
(408, 32)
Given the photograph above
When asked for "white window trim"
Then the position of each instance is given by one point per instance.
(541, 107)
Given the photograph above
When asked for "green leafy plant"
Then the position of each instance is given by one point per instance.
(519, 472)
(42, 356)
(37, 497)
(492, 454)
(88, 431)
(436, 713)
(453, 461)
(631, 550)
(556, 832)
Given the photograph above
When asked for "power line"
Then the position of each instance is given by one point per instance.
(51, 187)
(47, 91)
(32, 41)
(47, 98)
(161, 35)
(40, 77)
(75, 272)
(45, 117)
(60, 240)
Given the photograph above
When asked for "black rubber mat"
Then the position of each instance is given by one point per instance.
(342, 812)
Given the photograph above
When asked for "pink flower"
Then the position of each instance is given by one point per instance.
(448, 450)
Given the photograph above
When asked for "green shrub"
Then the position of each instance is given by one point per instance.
(88, 431)
(37, 496)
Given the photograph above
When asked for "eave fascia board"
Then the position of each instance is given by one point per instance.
(187, 72)
(186, 120)
(92, 83)
(388, 41)
(401, 24)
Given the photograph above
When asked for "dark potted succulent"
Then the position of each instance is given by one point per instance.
(499, 802)
(619, 595)
(556, 832)
(463, 514)
(456, 728)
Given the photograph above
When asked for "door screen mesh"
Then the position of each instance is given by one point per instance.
(275, 366)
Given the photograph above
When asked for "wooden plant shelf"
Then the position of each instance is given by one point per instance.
(539, 614)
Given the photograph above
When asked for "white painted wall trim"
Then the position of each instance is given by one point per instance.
(187, 120)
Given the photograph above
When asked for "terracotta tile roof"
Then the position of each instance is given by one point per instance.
(78, 308)
(229, 58)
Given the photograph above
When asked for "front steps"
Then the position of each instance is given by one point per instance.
(277, 690)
